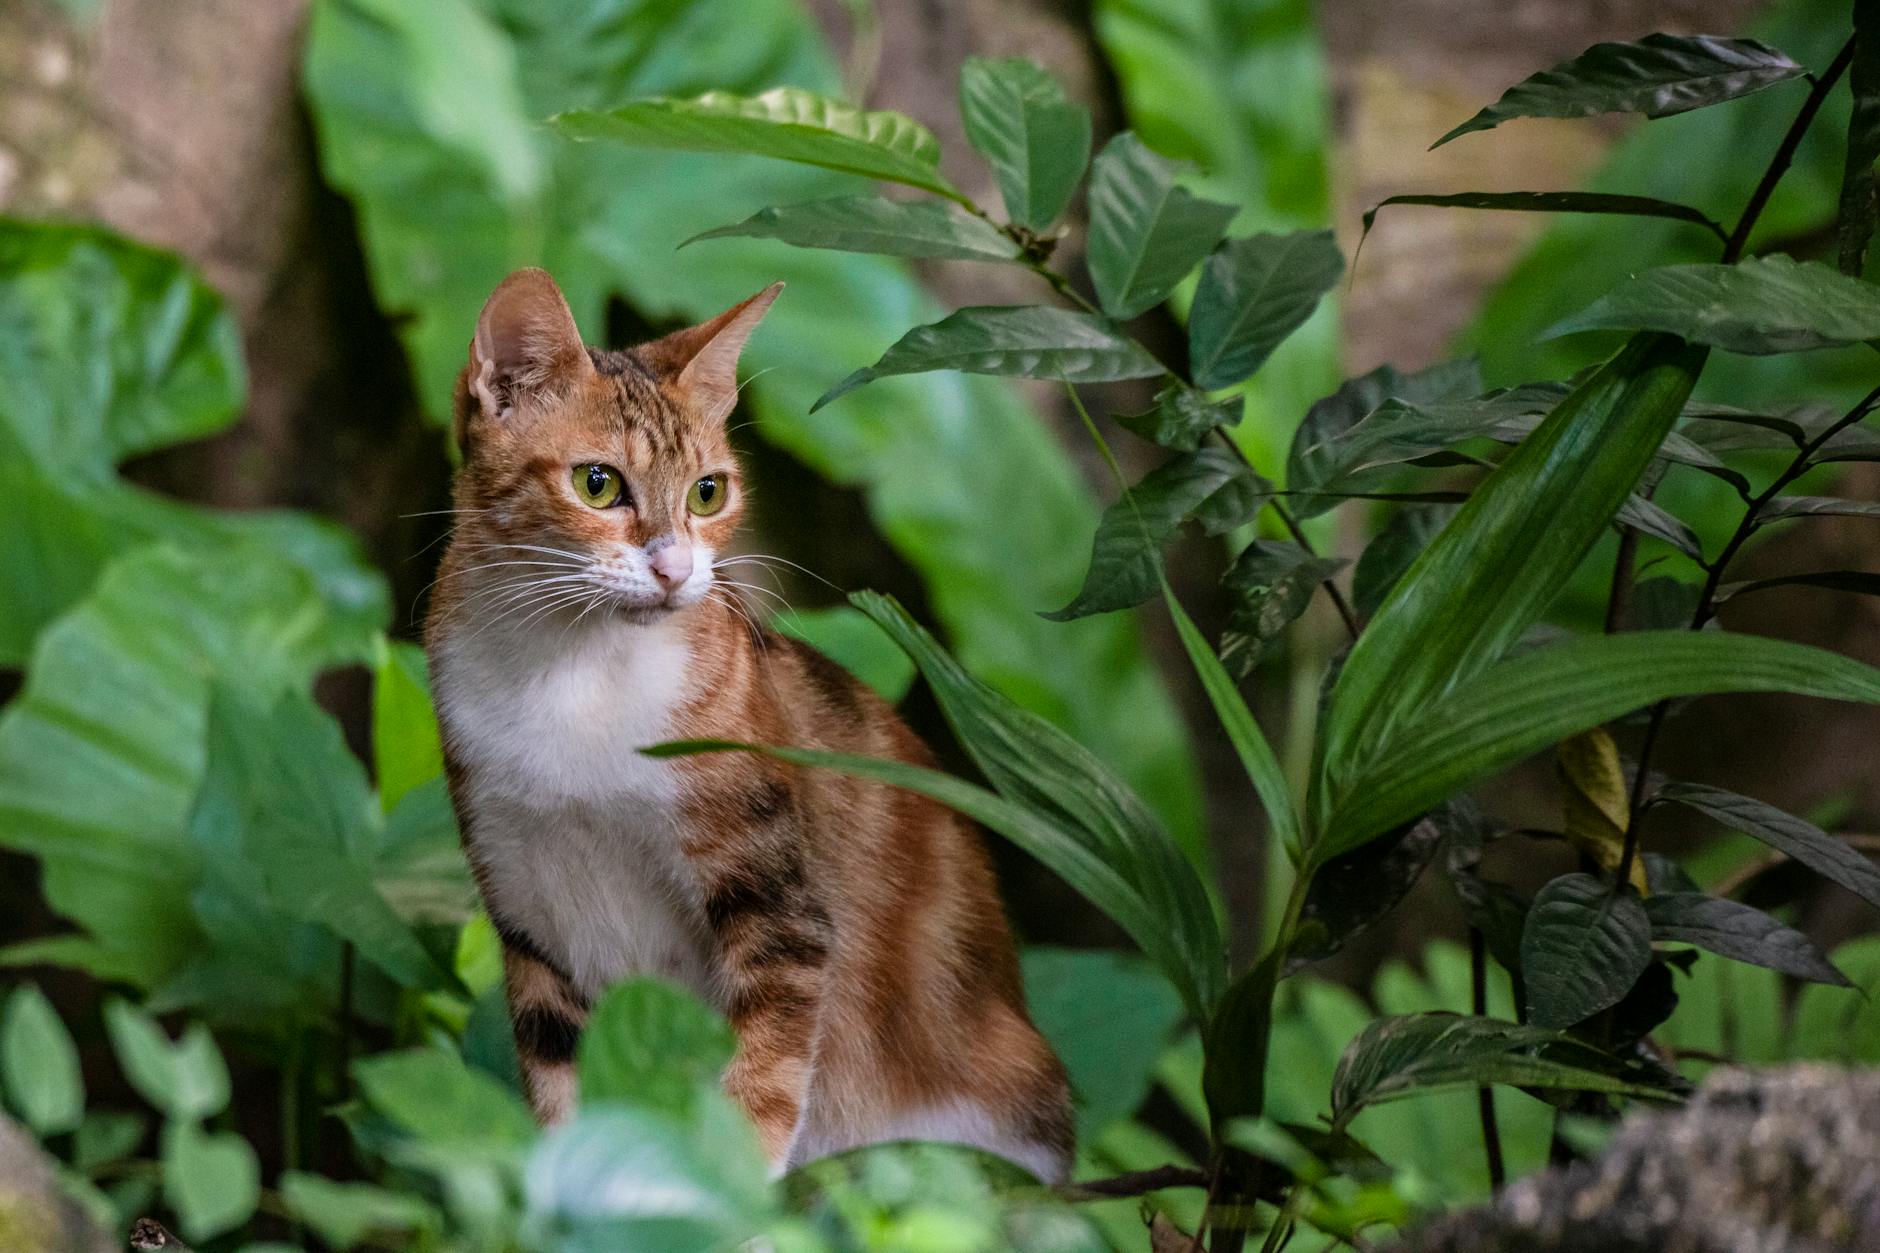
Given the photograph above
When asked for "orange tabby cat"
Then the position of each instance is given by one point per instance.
(850, 932)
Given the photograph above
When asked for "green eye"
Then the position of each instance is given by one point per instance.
(598, 486)
(707, 496)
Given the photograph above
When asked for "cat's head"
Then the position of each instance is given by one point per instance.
(612, 470)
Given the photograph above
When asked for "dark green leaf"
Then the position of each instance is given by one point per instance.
(1255, 292)
(1658, 76)
(1800, 839)
(211, 1179)
(925, 229)
(40, 1064)
(1537, 698)
(1651, 518)
(1109, 1017)
(1763, 305)
(1030, 341)
(1034, 137)
(186, 1079)
(1665, 875)
(1182, 417)
(1583, 949)
(1862, 581)
(1314, 463)
(1268, 586)
(1663, 603)
(1550, 202)
(1351, 893)
(1411, 1053)
(1739, 932)
(1408, 532)
(1807, 506)
(1860, 198)
(652, 1044)
(1126, 556)
(1146, 233)
(1235, 1044)
(1492, 571)
(787, 123)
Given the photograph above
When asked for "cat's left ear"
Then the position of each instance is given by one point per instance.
(706, 355)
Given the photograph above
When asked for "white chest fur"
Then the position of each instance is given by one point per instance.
(577, 833)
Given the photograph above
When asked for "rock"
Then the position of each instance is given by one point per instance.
(35, 1216)
(1772, 1161)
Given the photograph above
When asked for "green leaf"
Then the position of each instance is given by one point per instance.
(1800, 839)
(1268, 586)
(1651, 518)
(1537, 698)
(1862, 581)
(1409, 1054)
(347, 1214)
(1658, 76)
(1807, 506)
(186, 1079)
(1255, 292)
(1403, 539)
(1498, 563)
(1760, 306)
(1583, 949)
(1835, 1024)
(1550, 202)
(1243, 732)
(786, 123)
(844, 634)
(1126, 555)
(1860, 197)
(106, 1136)
(1029, 341)
(112, 350)
(1740, 932)
(1316, 460)
(211, 1179)
(924, 229)
(406, 749)
(1182, 417)
(437, 1098)
(1034, 137)
(653, 1044)
(1351, 893)
(40, 1064)
(1146, 233)
(1109, 1017)
(1236, 1040)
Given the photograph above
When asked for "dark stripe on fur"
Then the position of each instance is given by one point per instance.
(542, 1035)
(517, 940)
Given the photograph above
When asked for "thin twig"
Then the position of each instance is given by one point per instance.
(1785, 153)
(1485, 1095)
(1134, 1183)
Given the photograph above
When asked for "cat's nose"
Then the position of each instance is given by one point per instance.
(672, 564)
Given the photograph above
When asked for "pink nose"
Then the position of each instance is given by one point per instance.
(672, 564)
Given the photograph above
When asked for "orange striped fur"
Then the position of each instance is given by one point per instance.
(851, 933)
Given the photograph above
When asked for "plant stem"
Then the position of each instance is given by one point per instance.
(1135, 1183)
(1785, 152)
(1485, 1095)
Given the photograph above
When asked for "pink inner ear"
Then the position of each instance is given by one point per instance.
(526, 342)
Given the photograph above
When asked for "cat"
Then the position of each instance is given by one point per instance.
(851, 932)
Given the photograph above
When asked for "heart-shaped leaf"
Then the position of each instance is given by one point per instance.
(923, 229)
(1146, 232)
(1760, 306)
(1584, 948)
(1035, 138)
(39, 1064)
(211, 1180)
(186, 1079)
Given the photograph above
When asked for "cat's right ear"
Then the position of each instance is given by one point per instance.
(526, 351)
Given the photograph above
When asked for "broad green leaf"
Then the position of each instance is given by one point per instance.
(1126, 555)
(1182, 418)
(787, 123)
(1658, 76)
(1109, 1017)
(1351, 893)
(1860, 197)
(956, 473)
(1760, 306)
(844, 634)
(211, 1179)
(112, 350)
(1805, 506)
(1740, 932)
(406, 750)
(1255, 292)
(1146, 232)
(186, 1079)
(1537, 698)
(1492, 571)
(1243, 732)
(1415, 1053)
(434, 1096)
(1029, 341)
(1548, 202)
(1393, 550)
(1316, 460)
(652, 1044)
(347, 1214)
(923, 229)
(1268, 587)
(39, 1063)
(1583, 949)
(1797, 837)
(1237, 1039)
(1034, 137)
(1069, 853)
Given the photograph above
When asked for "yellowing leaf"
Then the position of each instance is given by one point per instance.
(1597, 803)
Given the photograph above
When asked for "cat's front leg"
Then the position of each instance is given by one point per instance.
(547, 1014)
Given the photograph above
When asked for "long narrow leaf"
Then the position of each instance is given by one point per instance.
(1799, 838)
(1551, 202)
